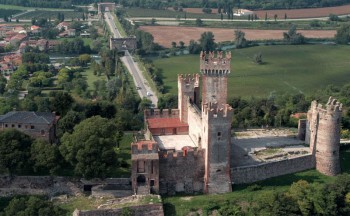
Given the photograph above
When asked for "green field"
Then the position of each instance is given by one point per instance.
(295, 69)
(144, 12)
(15, 7)
(68, 15)
(8, 12)
(91, 78)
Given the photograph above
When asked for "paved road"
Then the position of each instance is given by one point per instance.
(143, 88)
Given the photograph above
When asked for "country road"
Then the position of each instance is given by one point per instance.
(142, 86)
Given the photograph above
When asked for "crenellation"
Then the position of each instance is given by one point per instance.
(215, 66)
(144, 147)
(158, 113)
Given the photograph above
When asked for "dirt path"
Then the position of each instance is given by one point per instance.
(164, 35)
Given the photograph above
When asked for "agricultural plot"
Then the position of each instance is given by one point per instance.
(8, 12)
(164, 35)
(294, 69)
(142, 12)
(50, 14)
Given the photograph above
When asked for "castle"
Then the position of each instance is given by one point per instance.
(191, 150)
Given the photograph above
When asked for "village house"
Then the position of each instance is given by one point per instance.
(63, 25)
(35, 124)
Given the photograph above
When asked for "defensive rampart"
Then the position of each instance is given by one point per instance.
(181, 172)
(249, 174)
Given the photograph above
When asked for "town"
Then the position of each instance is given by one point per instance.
(174, 108)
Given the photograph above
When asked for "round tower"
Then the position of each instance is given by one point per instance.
(328, 138)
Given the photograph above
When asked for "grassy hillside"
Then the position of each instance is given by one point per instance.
(303, 68)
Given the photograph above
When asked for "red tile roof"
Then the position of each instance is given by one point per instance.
(165, 123)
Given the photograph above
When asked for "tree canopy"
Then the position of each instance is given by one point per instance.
(89, 148)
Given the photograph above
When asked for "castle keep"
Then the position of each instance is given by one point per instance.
(190, 149)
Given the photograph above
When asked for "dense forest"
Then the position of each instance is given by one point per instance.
(160, 4)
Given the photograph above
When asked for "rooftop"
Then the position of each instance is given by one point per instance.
(174, 142)
(165, 123)
(28, 117)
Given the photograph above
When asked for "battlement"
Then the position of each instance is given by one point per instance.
(218, 65)
(188, 79)
(165, 113)
(144, 147)
(213, 111)
(333, 107)
(188, 154)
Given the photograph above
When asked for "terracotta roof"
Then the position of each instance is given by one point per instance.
(165, 123)
(149, 144)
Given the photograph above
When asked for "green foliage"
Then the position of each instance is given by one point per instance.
(293, 37)
(32, 206)
(14, 151)
(343, 34)
(168, 101)
(207, 41)
(46, 156)
(61, 102)
(199, 22)
(89, 148)
(240, 40)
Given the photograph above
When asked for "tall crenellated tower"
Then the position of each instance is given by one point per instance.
(324, 135)
(216, 122)
(188, 92)
(214, 70)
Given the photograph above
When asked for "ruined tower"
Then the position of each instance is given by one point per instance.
(323, 134)
(216, 122)
(188, 92)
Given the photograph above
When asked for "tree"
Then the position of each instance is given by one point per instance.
(199, 22)
(285, 16)
(275, 17)
(266, 16)
(258, 58)
(84, 59)
(32, 206)
(293, 37)
(194, 47)
(46, 156)
(181, 44)
(89, 149)
(153, 21)
(173, 44)
(343, 34)
(61, 102)
(15, 151)
(240, 40)
(333, 17)
(207, 41)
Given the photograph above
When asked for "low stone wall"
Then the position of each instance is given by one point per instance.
(142, 210)
(111, 191)
(249, 174)
(38, 185)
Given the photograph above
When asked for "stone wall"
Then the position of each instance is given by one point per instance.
(38, 185)
(181, 173)
(249, 174)
(195, 126)
(142, 210)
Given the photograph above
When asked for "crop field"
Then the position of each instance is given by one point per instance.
(294, 69)
(15, 7)
(291, 14)
(50, 14)
(164, 35)
(142, 12)
(8, 12)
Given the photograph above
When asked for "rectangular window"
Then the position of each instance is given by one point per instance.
(32, 127)
(140, 166)
(19, 126)
(219, 135)
(13, 125)
(6, 125)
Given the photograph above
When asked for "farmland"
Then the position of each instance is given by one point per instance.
(8, 12)
(295, 69)
(164, 35)
(50, 14)
(291, 14)
(15, 7)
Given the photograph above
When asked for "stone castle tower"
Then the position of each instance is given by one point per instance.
(216, 121)
(323, 134)
(188, 86)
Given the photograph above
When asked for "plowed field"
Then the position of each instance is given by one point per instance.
(164, 35)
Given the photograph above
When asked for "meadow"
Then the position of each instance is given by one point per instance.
(15, 7)
(8, 12)
(285, 68)
(48, 14)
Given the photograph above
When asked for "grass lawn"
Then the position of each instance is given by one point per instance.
(91, 78)
(124, 154)
(298, 68)
(87, 41)
(15, 7)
